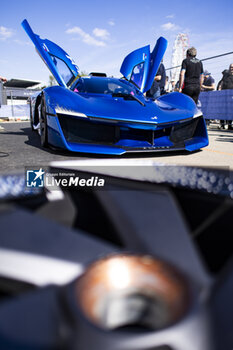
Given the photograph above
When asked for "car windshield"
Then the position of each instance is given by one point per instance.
(99, 85)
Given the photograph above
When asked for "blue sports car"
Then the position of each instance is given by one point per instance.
(102, 115)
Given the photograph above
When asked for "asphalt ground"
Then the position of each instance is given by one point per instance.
(20, 147)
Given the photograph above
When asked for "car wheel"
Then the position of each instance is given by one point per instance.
(43, 124)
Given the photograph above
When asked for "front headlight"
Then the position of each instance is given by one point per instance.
(198, 114)
(60, 110)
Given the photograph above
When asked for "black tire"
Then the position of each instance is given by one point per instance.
(43, 124)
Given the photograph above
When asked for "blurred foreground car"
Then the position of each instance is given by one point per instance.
(102, 115)
(142, 263)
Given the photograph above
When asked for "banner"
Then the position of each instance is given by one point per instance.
(217, 104)
(21, 112)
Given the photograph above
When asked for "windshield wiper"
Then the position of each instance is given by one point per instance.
(127, 96)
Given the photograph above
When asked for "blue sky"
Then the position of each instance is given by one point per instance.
(98, 34)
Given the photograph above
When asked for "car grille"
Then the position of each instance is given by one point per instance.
(88, 131)
(184, 131)
(76, 130)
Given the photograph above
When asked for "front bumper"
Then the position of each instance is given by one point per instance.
(90, 136)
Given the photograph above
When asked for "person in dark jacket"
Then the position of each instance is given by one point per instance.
(191, 75)
(227, 84)
(219, 87)
(208, 82)
(227, 80)
(158, 83)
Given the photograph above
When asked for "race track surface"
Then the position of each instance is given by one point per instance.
(20, 148)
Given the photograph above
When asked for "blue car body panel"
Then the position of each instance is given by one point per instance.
(155, 59)
(110, 109)
(141, 66)
(112, 116)
(136, 65)
(50, 53)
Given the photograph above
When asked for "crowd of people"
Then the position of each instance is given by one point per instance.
(193, 79)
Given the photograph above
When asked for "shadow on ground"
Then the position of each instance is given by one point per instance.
(33, 140)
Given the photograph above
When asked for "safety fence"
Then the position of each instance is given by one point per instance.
(15, 112)
(217, 104)
(11, 95)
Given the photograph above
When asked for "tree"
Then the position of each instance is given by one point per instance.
(83, 73)
(52, 80)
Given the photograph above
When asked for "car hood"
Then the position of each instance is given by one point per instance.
(64, 101)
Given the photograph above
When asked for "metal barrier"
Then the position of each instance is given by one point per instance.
(15, 112)
(217, 104)
(13, 103)
(18, 94)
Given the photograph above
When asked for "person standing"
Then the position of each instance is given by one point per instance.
(227, 80)
(208, 83)
(219, 87)
(158, 83)
(227, 84)
(162, 81)
(191, 75)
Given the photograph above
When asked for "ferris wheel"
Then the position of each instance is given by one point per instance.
(178, 54)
